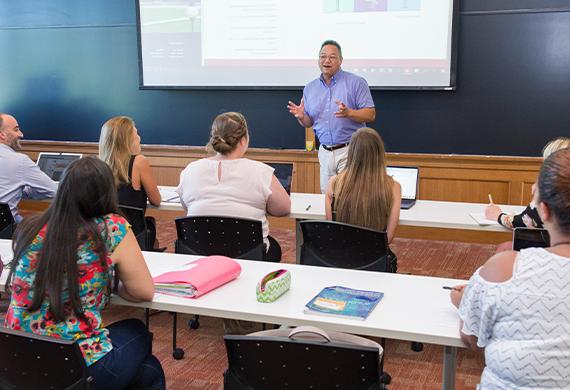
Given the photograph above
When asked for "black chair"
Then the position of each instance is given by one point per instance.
(29, 361)
(135, 216)
(257, 363)
(7, 223)
(213, 235)
(340, 245)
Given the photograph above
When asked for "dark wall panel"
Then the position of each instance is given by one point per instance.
(69, 66)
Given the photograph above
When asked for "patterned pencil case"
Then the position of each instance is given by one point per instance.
(273, 285)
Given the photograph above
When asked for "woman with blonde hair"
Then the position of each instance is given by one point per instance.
(363, 194)
(529, 217)
(120, 148)
(230, 185)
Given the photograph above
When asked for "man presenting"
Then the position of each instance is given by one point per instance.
(336, 104)
(19, 176)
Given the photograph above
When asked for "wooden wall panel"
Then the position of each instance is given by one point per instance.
(442, 177)
(475, 191)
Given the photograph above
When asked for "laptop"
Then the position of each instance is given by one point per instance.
(408, 177)
(53, 164)
(283, 173)
(530, 238)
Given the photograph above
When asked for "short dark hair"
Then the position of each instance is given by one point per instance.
(334, 43)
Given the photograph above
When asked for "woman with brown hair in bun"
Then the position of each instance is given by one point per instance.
(230, 185)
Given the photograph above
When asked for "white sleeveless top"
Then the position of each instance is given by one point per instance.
(241, 192)
(523, 323)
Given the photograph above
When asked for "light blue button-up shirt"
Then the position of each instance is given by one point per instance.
(21, 178)
(320, 105)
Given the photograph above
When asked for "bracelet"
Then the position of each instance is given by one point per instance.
(499, 218)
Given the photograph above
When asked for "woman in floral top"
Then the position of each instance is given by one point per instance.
(61, 279)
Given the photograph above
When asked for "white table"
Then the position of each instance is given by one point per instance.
(414, 308)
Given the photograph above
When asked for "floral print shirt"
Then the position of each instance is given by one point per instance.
(90, 334)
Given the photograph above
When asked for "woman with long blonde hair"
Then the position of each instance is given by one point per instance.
(363, 194)
(120, 148)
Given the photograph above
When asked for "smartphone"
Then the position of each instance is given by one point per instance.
(530, 238)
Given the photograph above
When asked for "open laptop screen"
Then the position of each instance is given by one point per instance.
(283, 173)
(408, 179)
(53, 164)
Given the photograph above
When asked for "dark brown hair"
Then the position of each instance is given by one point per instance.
(227, 130)
(86, 191)
(554, 187)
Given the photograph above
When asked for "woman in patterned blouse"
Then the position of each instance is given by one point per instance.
(515, 307)
(61, 278)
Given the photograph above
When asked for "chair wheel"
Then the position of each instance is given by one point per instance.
(178, 353)
(417, 347)
(385, 378)
(193, 323)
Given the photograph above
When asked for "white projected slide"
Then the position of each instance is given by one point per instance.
(264, 43)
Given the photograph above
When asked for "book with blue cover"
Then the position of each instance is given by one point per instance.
(344, 302)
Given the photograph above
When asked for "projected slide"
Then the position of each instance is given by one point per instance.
(265, 43)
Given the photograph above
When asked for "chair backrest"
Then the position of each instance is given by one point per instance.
(213, 235)
(281, 363)
(340, 245)
(29, 361)
(135, 216)
(6, 221)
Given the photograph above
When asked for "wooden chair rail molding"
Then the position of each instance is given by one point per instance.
(459, 178)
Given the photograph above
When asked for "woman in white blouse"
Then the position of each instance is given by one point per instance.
(517, 306)
(230, 185)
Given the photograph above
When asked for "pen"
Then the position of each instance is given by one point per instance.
(449, 288)
(490, 198)
(308, 207)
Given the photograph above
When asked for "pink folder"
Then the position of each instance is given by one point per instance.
(204, 275)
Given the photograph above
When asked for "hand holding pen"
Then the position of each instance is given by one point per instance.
(456, 293)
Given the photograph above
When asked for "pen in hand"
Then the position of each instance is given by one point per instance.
(450, 288)
(490, 199)
(308, 207)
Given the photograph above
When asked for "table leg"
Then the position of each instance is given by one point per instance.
(449, 366)
(298, 240)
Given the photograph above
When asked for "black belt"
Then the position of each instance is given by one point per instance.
(334, 147)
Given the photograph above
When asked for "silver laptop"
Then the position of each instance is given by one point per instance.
(408, 177)
(283, 173)
(53, 164)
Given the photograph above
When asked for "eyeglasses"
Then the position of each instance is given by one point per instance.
(331, 58)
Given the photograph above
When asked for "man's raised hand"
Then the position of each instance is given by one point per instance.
(298, 111)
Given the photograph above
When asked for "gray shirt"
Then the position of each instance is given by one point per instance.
(21, 178)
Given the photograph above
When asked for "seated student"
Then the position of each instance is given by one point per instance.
(62, 273)
(227, 184)
(20, 177)
(363, 194)
(120, 148)
(529, 216)
(515, 306)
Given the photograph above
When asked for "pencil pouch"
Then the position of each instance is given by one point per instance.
(273, 285)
